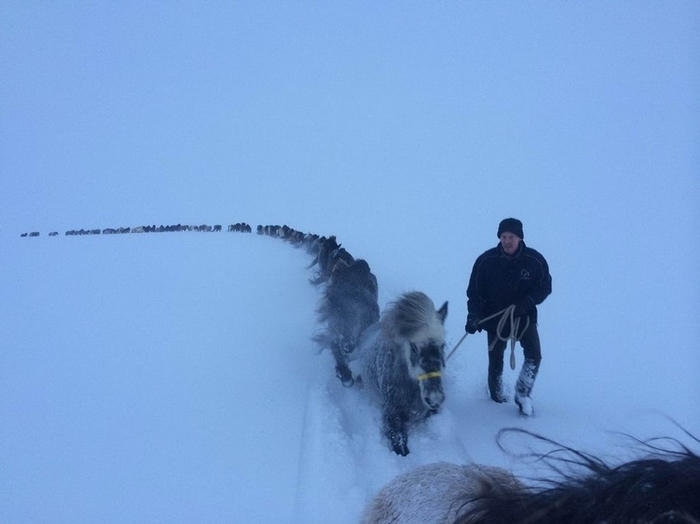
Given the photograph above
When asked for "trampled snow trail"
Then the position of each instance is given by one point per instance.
(345, 457)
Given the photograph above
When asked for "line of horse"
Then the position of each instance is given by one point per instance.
(241, 227)
(399, 354)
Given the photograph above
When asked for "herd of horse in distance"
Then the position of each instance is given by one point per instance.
(241, 227)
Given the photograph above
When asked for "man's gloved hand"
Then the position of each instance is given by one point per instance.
(524, 306)
(472, 325)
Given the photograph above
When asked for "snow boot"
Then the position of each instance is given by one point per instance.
(496, 388)
(523, 387)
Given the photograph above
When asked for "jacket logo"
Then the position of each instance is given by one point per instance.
(524, 274)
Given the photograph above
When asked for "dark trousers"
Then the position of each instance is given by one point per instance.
(529, 341)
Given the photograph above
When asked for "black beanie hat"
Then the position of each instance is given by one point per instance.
(511, 225)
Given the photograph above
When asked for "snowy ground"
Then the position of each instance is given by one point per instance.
(171, 378)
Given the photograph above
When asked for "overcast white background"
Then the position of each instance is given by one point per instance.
(406, 129)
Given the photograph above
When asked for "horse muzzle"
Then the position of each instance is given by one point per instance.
(431, 390)
(434, 400)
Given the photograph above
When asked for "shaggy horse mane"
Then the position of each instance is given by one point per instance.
(660, 488)
(409, 316)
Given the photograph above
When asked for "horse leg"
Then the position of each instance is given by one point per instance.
(395, 430)
(342, 371)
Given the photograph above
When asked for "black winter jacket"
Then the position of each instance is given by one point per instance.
(499, 280)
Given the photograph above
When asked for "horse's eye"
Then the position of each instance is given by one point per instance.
(414, 349)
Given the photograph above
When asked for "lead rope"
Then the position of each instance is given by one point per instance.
(456, 346)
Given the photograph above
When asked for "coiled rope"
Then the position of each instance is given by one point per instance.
(507, 316)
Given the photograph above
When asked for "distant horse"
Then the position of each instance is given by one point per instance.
(348, 307)
(328, 265)
(328, 252)
(401, 359)
(660, 488)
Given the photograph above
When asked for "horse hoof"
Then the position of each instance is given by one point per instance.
(398, 444)
(401, 450)
(345, 375)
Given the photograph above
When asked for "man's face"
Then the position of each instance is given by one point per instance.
(509, 242)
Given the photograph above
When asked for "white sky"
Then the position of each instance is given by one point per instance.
(583, 116)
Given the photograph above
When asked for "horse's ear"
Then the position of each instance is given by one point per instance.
(442, 312)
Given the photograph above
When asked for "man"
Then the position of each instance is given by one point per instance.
(510, 274)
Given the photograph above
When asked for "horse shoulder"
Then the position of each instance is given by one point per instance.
(433, 493)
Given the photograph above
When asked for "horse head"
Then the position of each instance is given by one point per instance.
(426, 360)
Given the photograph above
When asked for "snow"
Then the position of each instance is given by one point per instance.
(170, 377)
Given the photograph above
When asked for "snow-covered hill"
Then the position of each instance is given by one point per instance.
(171, 378)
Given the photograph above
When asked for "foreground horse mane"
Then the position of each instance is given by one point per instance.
(662, 487)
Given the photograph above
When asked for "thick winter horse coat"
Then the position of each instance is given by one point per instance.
(435, 493)
(401, 359)
(659, 488)
(348, 307)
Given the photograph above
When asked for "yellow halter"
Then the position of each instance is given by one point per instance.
(432, 374)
